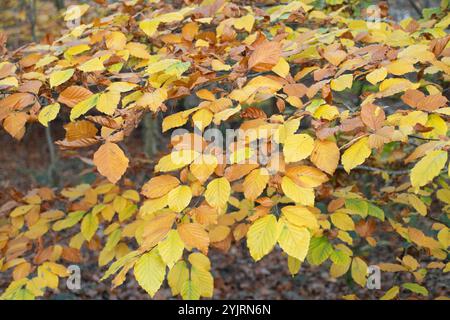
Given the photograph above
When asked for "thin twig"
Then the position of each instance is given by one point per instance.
(373, 169)
(422, 138)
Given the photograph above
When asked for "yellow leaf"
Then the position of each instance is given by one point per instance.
(190, 290)
(179, 198)
(218, 192)
(356, 154)
(59, 77)
(262, 236)
(170, 17)
(171, 248)
(294, 265)
(176, 160)
(306, 176)
(203, 279)
(294, 240)
(177, 276)
(149, 26)
(377, 75)
(21, 210)
(326, 112)
(391, 293)
(203, 167)
(341, 83)
(199, 260)
(116, 40)
(138, 50)
(297, 147)
(121, 86)
(48, 113)
(359, 271)
(92, 65)
(9, 82)
(175, 120)
(202, 118)
(428, 167)
(151, 206)
(300, 216)
(255, 183)
(153, 100)
(218, 65)
(111, 162)
(75, 12)
(400, 67)
(246, 22)
(439, 127)
(149, 272)
(325, 155)
(304, 196)
(83, 107)
(108, 101)
(343, 221)
(281, 68)
(89, 226)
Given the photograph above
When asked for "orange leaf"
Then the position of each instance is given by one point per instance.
(111, 162)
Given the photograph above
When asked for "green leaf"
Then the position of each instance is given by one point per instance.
(375, 211)
(190, 291)
(113, 240)
(89, 226)
(319, 250)
(119, 263)
(358, 206)
(84, 106)
(416, 288)
(71, 220)
(177, 276)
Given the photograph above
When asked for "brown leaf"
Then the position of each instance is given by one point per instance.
(265, 56)
(80, 130)
(75, 144)
(15, 102)
(104, 121)
(73, 95)
(253, 113)
(373, 116)
(412, 97)
(431, 103)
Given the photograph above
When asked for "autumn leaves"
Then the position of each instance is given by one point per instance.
(280, 79)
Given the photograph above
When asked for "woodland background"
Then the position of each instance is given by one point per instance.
(34, 161)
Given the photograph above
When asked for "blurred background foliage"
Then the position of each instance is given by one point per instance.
(40, 20)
